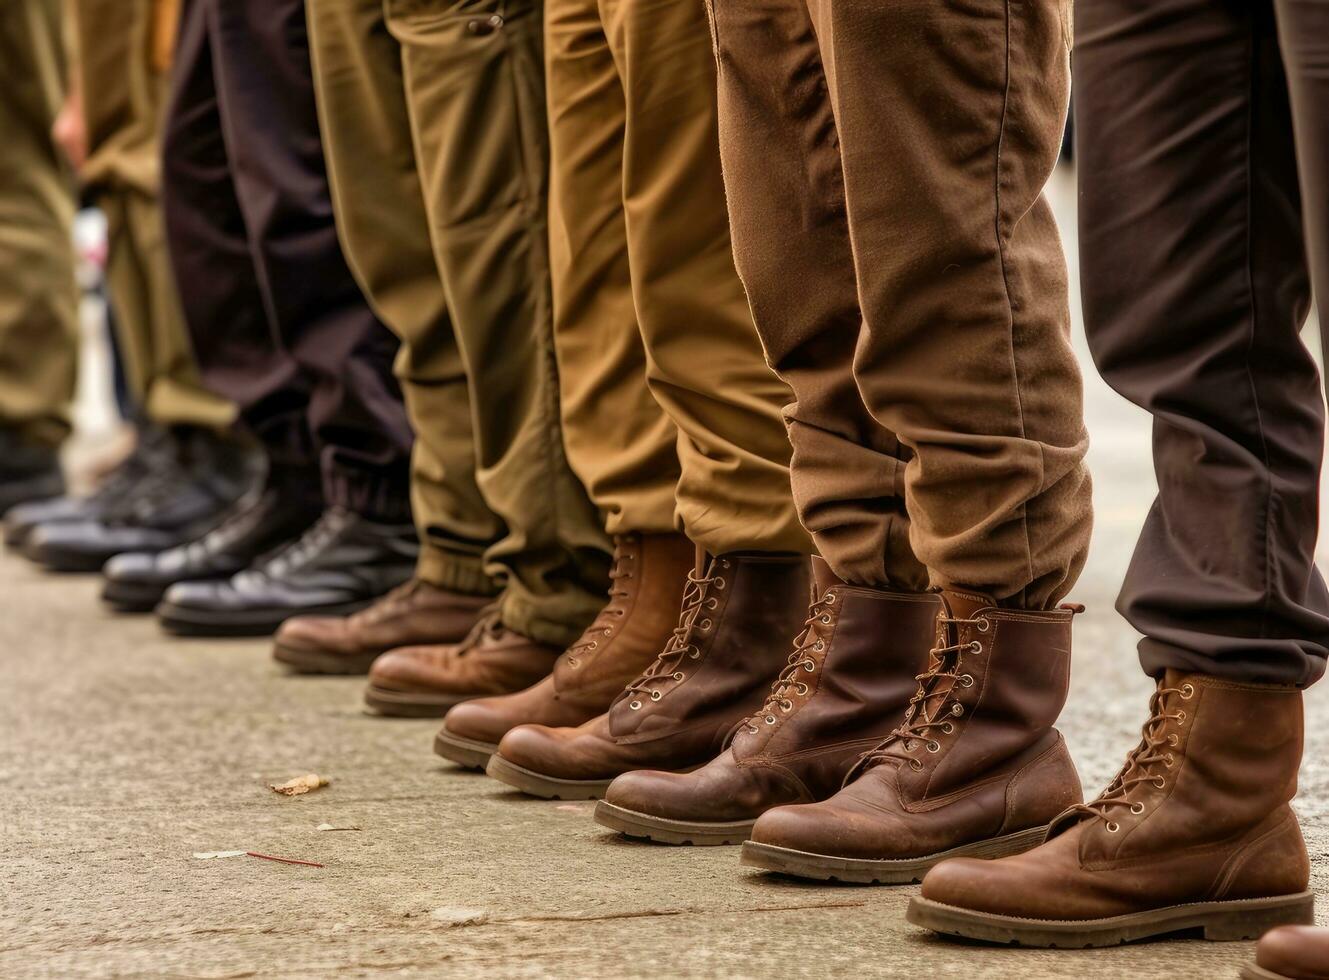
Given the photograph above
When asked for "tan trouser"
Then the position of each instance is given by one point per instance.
(433, 126)
(38, 297)
(121, 46)
(671, 415)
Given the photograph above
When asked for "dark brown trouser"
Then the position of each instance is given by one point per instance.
(884, 163)
(278, 323)
(1203, 135)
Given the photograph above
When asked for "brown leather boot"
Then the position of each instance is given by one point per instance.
(1195, 833)
(425, 681)
(416, 612)
(845, 688)
(740, 612)
(1291, 953)
(975, 768)
(649, 573)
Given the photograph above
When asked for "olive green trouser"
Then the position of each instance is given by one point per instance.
(124, 79)
(433, 125)
(38, 297)
(671, 414)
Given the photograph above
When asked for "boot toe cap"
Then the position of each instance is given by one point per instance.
(132, 566)
(482, 720)
(661, 794)
(314, 633)
(197, 595)
(414, 669)
(549, 751)
(967, 883)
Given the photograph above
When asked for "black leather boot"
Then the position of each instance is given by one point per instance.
(151, 446)
(28, 472)
(184, 495)
(259, 522)
(341, 564)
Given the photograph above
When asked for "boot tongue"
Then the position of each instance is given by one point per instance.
(956, 605)
(822, 576)
(965, 604)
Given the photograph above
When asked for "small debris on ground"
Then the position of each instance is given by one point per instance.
(328, 826)
(451, 917)
(300, 785)
(207, 855)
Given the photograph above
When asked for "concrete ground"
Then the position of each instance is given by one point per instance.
(124, 752)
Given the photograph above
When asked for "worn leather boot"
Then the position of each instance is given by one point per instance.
(411, 614)
(740, 612)
(845, 688)
(426, 681)
(1195, 833)
(341, 564)
(647, 577)
(194, 481)
(266, 517)
(1291, 953)
(975, 768)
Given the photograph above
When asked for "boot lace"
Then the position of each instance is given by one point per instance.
(697, 600)
(931, 706)
(602, 628)
(1142, 763)
(800, 661)
(309, 545)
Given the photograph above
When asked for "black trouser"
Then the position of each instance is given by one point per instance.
(1203, 154)
(277, 321)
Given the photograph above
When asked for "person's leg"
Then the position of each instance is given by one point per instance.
(632, 104)
(383, 230)
(1195, 289)
(261, 66)
(38, 297)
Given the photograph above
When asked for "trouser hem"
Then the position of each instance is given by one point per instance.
(456, 573)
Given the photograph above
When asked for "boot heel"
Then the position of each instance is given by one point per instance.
(1252, 922)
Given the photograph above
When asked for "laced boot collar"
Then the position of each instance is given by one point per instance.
(935, 707)
(627, 551)
(699, 599)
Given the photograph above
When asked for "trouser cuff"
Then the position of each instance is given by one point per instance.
(385, 498)
(454, 572)
(525, 617)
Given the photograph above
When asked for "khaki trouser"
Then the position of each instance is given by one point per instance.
(885, 164)
(121, 46)
(671, 415)
(38, 297)
(433, 125)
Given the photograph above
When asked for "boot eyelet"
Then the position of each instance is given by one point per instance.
(707, 624)
(712, 603)
(1113, 827)
(1173, 739)
(967, 680)
(593, 644)
(933, 746)
(802, 689)
(1188, 691)
(984, 624)
(947, 727)
(1158, 781)
(915, 765)
(825, 619)
(724, 562)
(976, 647)
(656, 695)
(679, 675)
(770, 719)
(829, 598)
(1181, 717)
(957, 709)
(635, 705)
(1137, 808)
(809, 666)
(1170, 761)
(819, 645)
(695, 654)
(572, 661)
(719, 584)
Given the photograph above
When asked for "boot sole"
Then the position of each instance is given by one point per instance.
(545, 787)
(132, 597)
(863, 871)
(186, 621)
(406, 704)
(301, 661)
(62, 560)
(469, 753)
(1245, 919)
(644, 826)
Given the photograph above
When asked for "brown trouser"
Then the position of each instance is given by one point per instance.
(434, 131)
(120, 45)
(884, 163)
(38, 298)
(1203, 130)
(672, 418)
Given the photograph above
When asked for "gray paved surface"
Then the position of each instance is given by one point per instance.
(123, 752)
